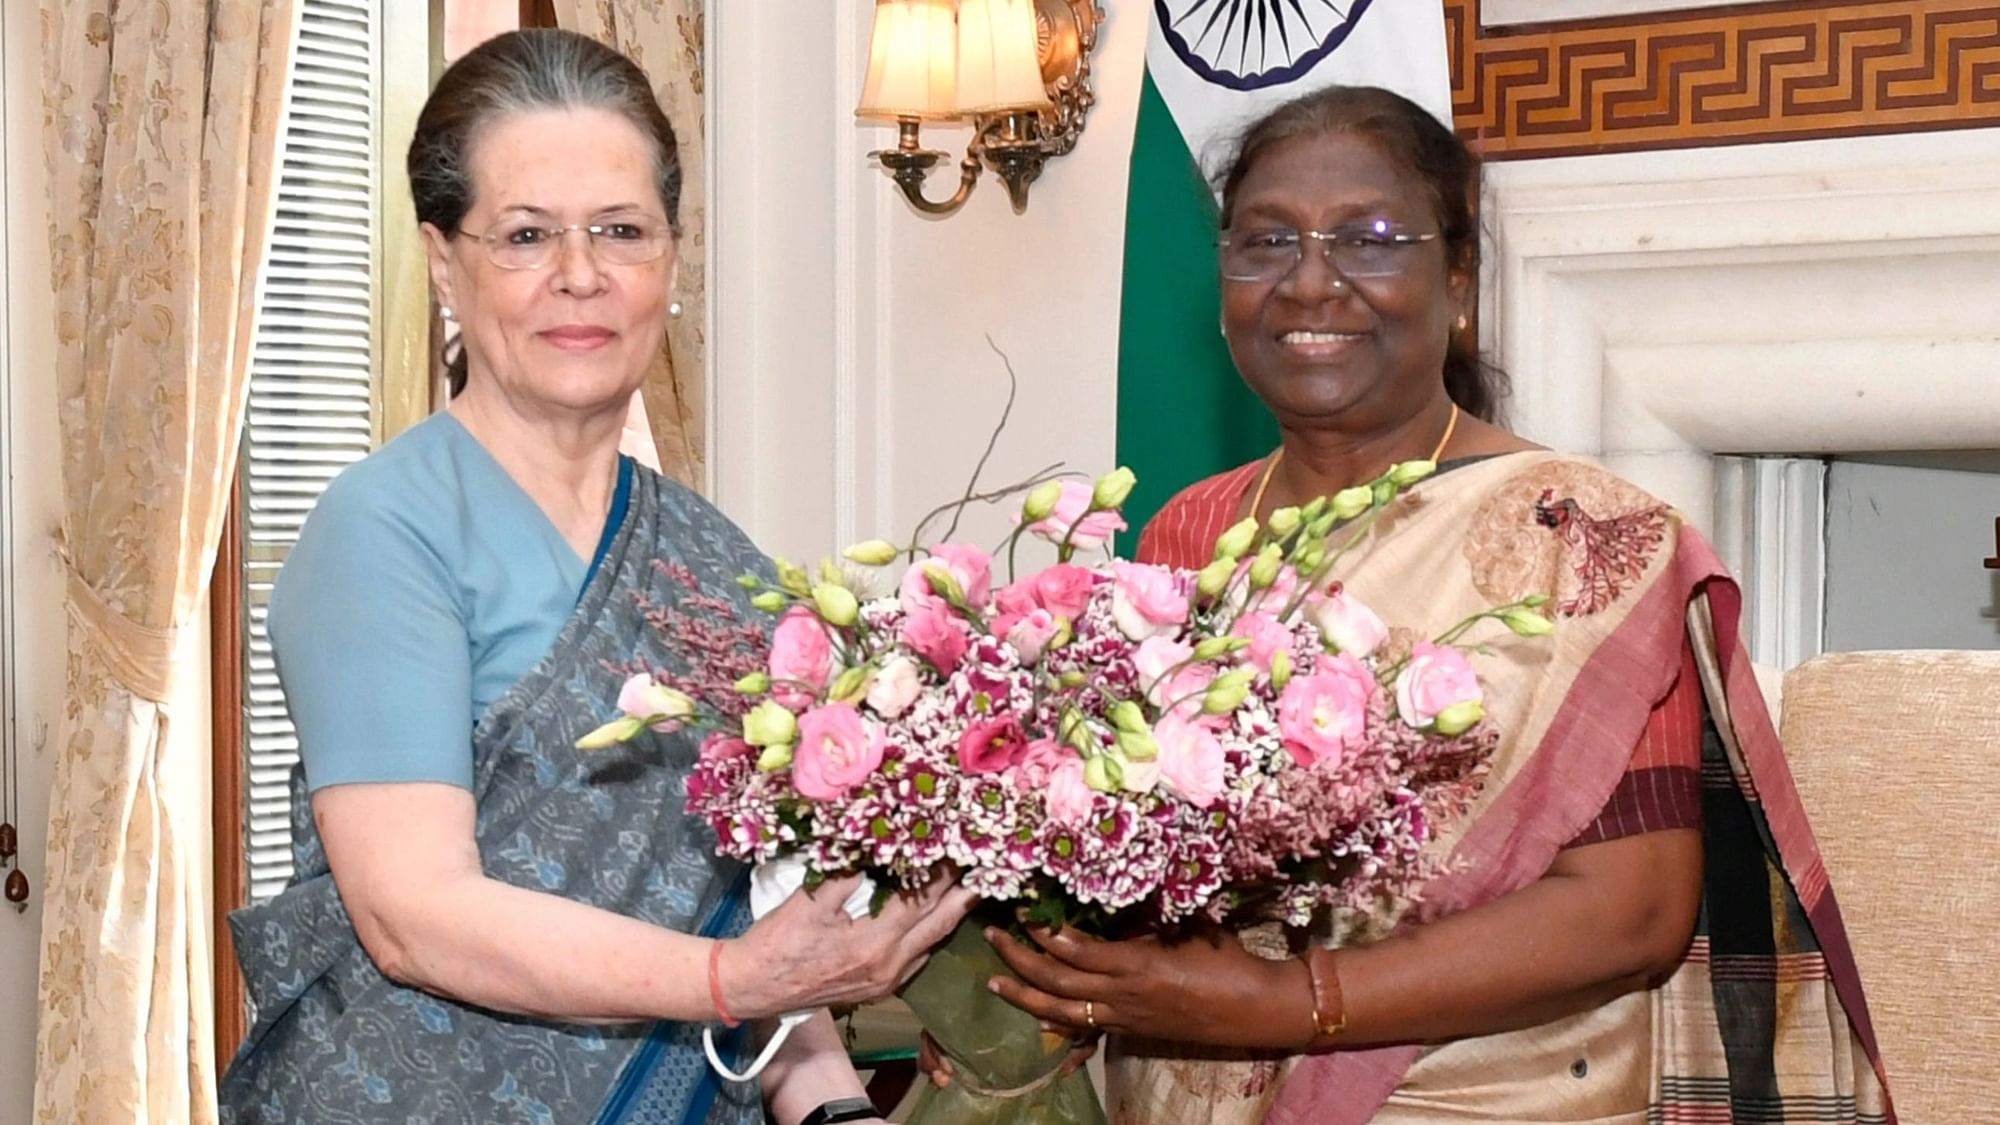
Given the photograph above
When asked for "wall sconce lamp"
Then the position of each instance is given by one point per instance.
(1018, 69)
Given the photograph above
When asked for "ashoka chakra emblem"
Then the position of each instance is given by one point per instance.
(1252, 44)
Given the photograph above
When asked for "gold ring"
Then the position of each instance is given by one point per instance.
(1090, 1014)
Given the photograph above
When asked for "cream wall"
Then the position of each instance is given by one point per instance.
(854, 388)
(30, 419)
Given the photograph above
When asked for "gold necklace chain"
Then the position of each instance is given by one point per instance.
(1264, 483)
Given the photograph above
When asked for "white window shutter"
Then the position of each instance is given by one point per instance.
(312, 380)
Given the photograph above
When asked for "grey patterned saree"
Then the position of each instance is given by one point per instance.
(336, 1042)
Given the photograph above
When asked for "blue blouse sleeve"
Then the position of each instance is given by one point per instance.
(371, 647)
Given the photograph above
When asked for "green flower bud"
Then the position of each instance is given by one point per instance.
(944, 585)
(1111, 489)
(1312, 512)
(1103, 773)
(1281, 669)
(1237, 539)
(1535, 601)
(750, 582)
(1382, 492)
(1213, 648)
(875, 552)
(1138, 746)
(1321, 527)
(850, 685)
(1228, 691)
(1041, 501)
(770, 601)
(774, 758)
(1351, 502)
(769, 724)
(1458, 718)
(1313, 557)
(1528, 623)
(1064, 634)
(837, 605)
(756, 683)
(1264, 571)
(1074, 678)
(1283, 522)
(1214, 578)
(792, 577)
(611, 734)
(830, 573)
(1407, 473)
(1128, 717)
(1072, 730)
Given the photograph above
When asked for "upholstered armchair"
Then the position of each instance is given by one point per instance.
(1897, 756)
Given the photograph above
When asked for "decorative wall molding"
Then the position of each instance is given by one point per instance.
(1770, 527)
(1794, 70)
(1658, 309)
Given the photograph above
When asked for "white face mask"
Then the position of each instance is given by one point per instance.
(770, 885)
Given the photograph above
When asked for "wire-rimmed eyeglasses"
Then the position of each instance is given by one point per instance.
(527, 245)
(1377, 249)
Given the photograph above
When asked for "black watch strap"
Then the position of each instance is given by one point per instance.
(841, 1109)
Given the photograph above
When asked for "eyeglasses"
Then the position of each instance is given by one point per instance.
(1377, 249)
(524, 245)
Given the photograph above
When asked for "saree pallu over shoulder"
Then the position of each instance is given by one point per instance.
(335, 1041)
(1629, 583)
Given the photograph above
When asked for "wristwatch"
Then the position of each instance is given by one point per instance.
(842, 1109)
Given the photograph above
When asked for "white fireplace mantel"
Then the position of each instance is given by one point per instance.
(1658, 309)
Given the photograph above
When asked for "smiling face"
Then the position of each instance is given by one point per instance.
(1324, 351)
(577, 334)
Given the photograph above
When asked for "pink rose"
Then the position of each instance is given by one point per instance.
(1190, 760)
(1437, 677)
(992, 745)
(934, 633)
(1324, 715)
(1069, 796)
(1065, 589)
(968, 566)
(721, 746)
(1038, 763)
(1352, 628)
(1267, 638)
(802, 652)
(1092, 529)
(895, 687)
(1147, 601)
(1031, 635)
(1011, 603)
(836, 751)
(642, 697)
(1156, 658)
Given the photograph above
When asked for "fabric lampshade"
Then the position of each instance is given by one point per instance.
(999, 65)
(912, 57)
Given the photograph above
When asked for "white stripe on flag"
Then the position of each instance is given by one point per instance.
(1397, 44)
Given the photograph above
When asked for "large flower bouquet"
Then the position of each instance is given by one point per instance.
(1115, 746)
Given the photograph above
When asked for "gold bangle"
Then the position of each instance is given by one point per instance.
(1329, 1009)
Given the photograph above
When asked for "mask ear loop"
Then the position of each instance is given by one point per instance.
(785, 1025)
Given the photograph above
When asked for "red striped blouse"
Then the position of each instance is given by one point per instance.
(1661, 788)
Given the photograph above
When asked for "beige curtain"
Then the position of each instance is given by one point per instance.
(161, 121)
(665, 38)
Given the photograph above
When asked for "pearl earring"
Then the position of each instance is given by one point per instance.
(1461, 322)
(674, 309)
(445, 312)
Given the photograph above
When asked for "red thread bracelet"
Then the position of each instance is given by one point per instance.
(715, 985)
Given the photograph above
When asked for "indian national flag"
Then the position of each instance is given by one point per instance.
(1213, 66)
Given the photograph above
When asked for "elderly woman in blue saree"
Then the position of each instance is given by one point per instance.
(487, 924)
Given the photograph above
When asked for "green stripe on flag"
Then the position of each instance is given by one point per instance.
(1183, 412)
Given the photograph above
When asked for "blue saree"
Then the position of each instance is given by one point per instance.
(335, 1042)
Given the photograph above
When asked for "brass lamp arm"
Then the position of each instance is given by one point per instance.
(910, 170)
